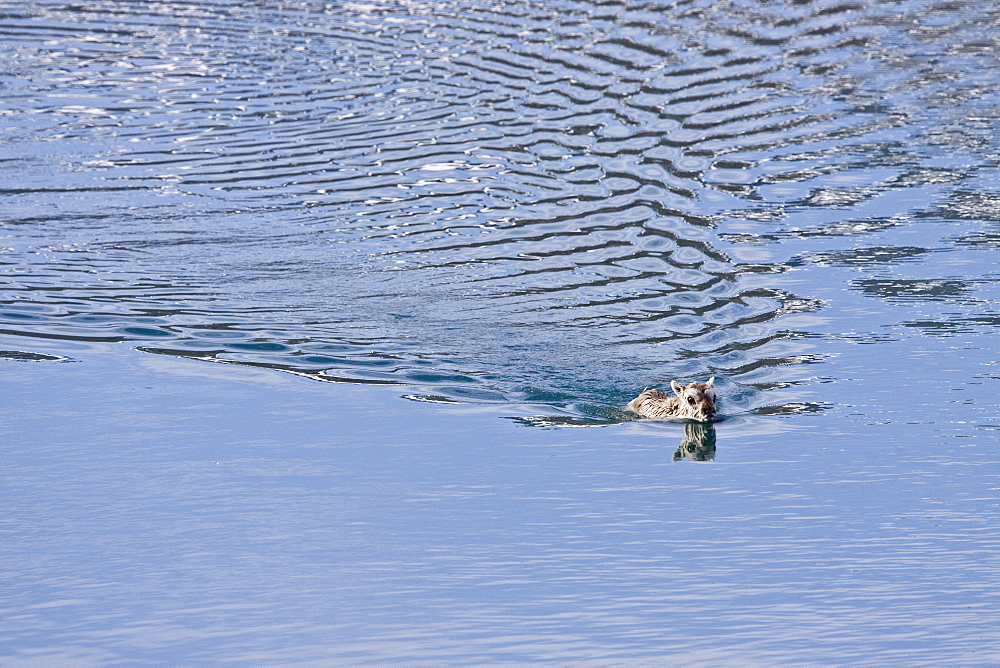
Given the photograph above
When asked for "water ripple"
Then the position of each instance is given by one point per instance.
(584, 199)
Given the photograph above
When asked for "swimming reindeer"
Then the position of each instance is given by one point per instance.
(693, 402)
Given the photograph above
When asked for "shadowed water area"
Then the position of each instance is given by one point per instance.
(518, 214)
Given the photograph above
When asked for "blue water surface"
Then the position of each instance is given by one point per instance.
(483, 228)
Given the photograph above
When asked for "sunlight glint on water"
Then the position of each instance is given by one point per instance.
(509, 202)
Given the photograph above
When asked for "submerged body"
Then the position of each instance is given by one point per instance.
(693, 402)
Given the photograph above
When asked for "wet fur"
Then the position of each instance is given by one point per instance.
(691, 402)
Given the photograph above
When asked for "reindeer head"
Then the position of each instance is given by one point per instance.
(697, 400)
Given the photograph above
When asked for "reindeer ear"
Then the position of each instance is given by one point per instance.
(711, 381)
(677, 388)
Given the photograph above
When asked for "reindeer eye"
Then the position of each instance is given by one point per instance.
(690, 400)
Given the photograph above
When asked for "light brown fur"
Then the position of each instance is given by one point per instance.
(692, 402)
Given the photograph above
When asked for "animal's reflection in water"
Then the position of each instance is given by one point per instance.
(698, 444)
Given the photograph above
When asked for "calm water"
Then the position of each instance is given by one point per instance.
(487, 224)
